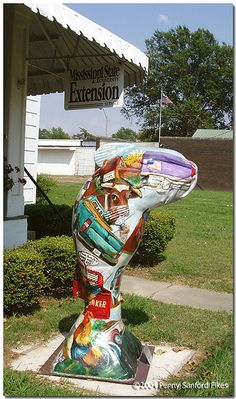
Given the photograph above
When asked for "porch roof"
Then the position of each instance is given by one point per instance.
(60, 39)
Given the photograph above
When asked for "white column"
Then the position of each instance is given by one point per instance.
(16, 35)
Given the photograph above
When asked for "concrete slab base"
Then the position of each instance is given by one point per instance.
(166, 361)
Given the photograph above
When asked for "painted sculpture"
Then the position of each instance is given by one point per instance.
(108, 221)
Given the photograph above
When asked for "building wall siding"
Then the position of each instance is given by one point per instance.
(31, 146)
(56, 161)
(15, 232)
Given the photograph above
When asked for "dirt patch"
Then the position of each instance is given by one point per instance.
(140, 271)
(70, 179)
(188, 370)
(9, 356)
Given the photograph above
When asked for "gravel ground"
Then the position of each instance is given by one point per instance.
(70, 179)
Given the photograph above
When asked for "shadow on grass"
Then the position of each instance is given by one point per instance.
(141, 260)
(45, 222)
(134, 316)
(66, 323)
(24, 311)
(130, 317)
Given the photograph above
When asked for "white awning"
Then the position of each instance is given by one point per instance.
(60, 39)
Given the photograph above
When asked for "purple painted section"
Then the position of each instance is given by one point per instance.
(166, 164)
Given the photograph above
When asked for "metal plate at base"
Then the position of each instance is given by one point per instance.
(140, 376)
(143, 366)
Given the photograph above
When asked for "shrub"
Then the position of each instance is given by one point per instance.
(45, 222)
(46, 266)
(59, 258)
(46, 183)
(159, 230)
(24, 279)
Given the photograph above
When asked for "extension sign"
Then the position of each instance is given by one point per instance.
(95, 87)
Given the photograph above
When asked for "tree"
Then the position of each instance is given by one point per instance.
(58, 133)
(44, 134)
(196, 72)
(84, 135)
(54, 133)
(125, 134)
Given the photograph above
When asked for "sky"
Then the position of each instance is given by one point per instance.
(133, 22)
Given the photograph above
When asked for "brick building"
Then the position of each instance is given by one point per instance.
(214, 157)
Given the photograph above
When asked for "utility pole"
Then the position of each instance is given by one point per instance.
(106, 120)
(159, 134)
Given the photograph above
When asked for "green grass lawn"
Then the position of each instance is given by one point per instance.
(201, 253)
(153, 322)
(210, 374)
(64, 193)
(25, 383)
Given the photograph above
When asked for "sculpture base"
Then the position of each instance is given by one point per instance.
(166, 362)
(143, 365)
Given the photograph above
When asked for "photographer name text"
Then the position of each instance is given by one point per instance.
(180, 385)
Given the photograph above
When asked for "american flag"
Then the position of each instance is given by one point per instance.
(166, 100)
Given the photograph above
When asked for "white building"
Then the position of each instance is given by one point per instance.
(65, 158)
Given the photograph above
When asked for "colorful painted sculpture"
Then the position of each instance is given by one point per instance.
(108, 222)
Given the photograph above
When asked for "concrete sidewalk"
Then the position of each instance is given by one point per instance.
(177, 294)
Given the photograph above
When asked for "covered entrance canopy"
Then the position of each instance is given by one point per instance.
(59, 39)
(41, 43)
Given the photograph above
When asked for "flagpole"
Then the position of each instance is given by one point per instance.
(159, 134)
